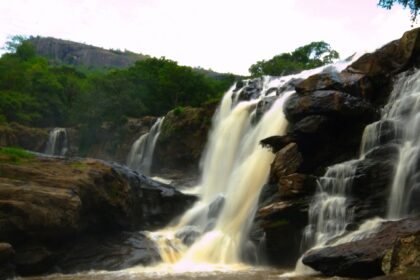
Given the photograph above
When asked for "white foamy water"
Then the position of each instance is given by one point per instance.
(57, 144)
(140, 157)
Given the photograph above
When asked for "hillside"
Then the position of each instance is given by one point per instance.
(67, 52)
(59, 52)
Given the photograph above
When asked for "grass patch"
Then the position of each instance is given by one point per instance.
(15, 155)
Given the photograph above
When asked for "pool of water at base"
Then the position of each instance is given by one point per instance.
(133, 274)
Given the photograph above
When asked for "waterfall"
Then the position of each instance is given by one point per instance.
(57, 144)
(234, 169)
(400, 124)
(328, 212)
(140, 156)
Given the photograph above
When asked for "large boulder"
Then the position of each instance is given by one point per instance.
(286, 162)
(363, 258)
(392, 58)
(404, 256)
(48, 202)
(282, 205)
(329, 103)
(355, 84)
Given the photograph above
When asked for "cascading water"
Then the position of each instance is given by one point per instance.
(140, 156)
(57, 144)
(400, 124)
(234, 169)
(328, 213)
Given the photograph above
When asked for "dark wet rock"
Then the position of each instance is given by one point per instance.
(392, 58)
(352, 83)
(296, 185)
(264, 105)
(362, 258)
(282, 223)
(290, 85)
(251, 89)
(314, 124)
(324, 141)
(371, 185)
(276, 143)
(329, 103)
(286, 161)
(7, 254)
(188, 235)
(109, 251)
(33, 260)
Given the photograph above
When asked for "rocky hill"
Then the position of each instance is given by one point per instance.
(59, 51)
(67, 52)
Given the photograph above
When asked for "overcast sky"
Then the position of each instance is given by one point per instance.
(224, 35)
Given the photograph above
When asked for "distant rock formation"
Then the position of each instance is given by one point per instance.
(67, 52)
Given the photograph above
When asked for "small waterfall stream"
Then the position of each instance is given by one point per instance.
(140, 157)
(57, 144)
(328, 213)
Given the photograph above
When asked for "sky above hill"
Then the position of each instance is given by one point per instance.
(224, 35)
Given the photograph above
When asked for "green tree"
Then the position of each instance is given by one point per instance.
(413, 5)
(309, 56)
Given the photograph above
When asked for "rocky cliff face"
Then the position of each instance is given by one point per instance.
(49, 203)
(327, 116)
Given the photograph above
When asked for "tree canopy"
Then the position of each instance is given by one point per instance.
(306, 57)
(36, 93)
(413, 5)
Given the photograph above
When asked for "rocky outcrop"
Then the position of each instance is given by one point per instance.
(17, 135)
(48, 202)
(327, 117)
(392, 247)
(182, 139)
(67, 52)
(283, 203)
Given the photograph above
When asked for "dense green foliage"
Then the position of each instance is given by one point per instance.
(35, 93)
(306, 57)
(413, 5)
